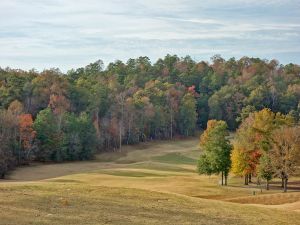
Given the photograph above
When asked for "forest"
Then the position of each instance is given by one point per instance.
(53, 116)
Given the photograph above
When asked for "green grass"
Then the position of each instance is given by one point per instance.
(110, 156)
(175, 158)
(160, 167)
(61, 180)
(130, 173)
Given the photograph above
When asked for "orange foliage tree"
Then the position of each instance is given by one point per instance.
(27, 135)
(253, 138)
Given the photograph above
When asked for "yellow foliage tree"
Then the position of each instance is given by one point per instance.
(253, 138)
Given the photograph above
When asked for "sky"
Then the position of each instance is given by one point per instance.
(69, 34)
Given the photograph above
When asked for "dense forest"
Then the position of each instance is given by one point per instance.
(52, 116)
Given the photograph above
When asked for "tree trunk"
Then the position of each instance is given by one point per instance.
(226, 176)
(268, 188)
(222, 178)
(121, 124)
(171, 127)
(129, 129)
(246, 179)
(19, 155)
(250, 181)
(120, 138)
(285, 184)
(282, 182)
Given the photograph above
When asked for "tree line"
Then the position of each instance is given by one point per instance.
(266, 145)
(52, 116)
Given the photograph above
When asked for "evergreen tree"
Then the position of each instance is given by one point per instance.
(48, 136)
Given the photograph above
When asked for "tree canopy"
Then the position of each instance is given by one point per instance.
(216, 148)
(134, 101)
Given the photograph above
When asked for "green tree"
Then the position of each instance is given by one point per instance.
(79, 139)
(216, 150)
(187, 115)
(9, 147)
(48, 135)
(226, 104)
(265, 169)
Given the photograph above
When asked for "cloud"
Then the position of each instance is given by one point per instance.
(67, 33)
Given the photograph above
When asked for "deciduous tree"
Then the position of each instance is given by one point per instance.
(285, 151)
(27, 136)
(215, 158)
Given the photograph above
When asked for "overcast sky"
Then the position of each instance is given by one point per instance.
(69, 34)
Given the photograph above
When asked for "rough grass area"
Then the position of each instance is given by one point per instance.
(131, 173)
(161, 167)
(269, 199)
(52, 203)
(175, 158)
(150, 183)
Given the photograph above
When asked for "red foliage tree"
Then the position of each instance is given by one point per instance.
(27, 134)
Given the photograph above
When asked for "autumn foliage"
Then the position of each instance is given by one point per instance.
(69, 116)
(255, 144)
(27, 134)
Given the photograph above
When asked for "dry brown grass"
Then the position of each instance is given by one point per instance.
(151, 183)
(51, 203)
(269, 199)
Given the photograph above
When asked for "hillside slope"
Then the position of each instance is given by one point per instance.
(152, 183)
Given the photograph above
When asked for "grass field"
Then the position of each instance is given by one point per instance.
(150, 183)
